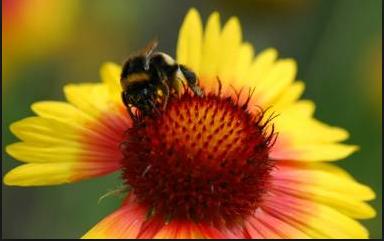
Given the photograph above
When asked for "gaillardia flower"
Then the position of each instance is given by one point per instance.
(246, 160)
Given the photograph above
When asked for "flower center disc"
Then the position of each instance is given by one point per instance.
(204, 158)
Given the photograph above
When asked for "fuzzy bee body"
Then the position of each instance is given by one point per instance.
(149, 78)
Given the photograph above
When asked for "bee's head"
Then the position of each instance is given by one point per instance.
(140, 95)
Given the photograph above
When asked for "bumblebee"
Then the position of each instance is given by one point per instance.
(149, 78)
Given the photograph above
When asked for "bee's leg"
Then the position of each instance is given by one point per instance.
(164, 87)
(126, 103)
(191, 80)
(133, 117)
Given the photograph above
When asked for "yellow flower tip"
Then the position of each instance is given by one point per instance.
(110, 75)
(16, 178)
(188, 49)
(233, 23)
(215, 15)
(40, 106)
(13, 128)
(191, 19)
(16, 127)
(67, 88)
(345, 151)
(311, 106)
(291, 64)
(354, 148)
(268, 55)
(344, 134)
(193, 13)
(13, 179)
(212, 26)
(300, 85)
(10, 150)
(371, 213)
(108, 67)
(8, 179)
(369, 194)
(363, 234)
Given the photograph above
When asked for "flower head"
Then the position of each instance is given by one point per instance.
(243, 161)
(204, 159)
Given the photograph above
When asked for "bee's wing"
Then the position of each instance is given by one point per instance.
(150, 47)
(145, 52)
(148, 50)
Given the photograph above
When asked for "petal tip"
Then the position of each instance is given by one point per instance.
(269, 53)
(192, 15)
(214, 15)
(9, 149)
(107, 67)
(354, 148)
(235, 21)
(7, 180)
(11, 178)
(192, 11)
(15, 127)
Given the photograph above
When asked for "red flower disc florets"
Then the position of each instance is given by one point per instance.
(204, 158)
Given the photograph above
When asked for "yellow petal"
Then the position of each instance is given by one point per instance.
(41, 130)
(350, 207)
(301, 137)
(289, 96)
(298, 111)
(335, 224)
(93, 99)
(347, 195)
(81, 145)
(60, 111)
(46, 131)
(211, 48)
(63, 118)
(311, 152)
(33, 153)
(261, 66)
(110, 75)
(310, 174)
(242, 64)
(320, 132)
(76, 152)
(41, 174)
(313, 218)
(189, 45)
(328, 168)
(230, 42)
(297, 131)
(280, 76)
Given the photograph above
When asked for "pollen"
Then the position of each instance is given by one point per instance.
(203, 159)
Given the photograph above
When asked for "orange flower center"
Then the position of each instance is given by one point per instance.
(204, 158)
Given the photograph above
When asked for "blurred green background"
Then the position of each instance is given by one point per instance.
(46, 44)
